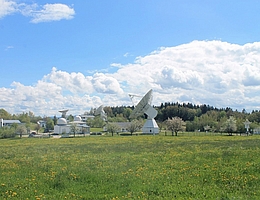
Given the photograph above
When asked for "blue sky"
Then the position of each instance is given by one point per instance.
(89, 53)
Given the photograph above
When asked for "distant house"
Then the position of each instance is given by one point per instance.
(8, 123)
(42, 123)
(256, 130)
(123, 126)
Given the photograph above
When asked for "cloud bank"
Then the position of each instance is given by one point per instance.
(37, 13)
(7, 8)
(201, 72)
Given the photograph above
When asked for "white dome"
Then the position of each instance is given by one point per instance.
(62, 121)
(77, 118)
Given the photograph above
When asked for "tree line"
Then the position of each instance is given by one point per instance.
(196, 117)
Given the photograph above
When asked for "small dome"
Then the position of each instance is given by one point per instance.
(77, 118)
(62, 121)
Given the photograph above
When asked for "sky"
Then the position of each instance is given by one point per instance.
(78, 55)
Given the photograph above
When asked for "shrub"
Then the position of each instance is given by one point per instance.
(6, 132)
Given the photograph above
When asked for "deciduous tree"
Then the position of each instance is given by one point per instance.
(4, 114)
(97, 122)
(134, 126)
(21, 130)
(37, 127)
(49, 124)
(206, 128)
(175, 124)
(74, 129)
(112, 128)
(230, 125)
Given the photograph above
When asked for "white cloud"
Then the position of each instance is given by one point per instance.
(127, 54)
(212, 72)
(7, 7)
(106, 84)
(38, 13)
(58, 90)
(201, 72)
(8, 48)
(51, 12)
(74, 82)
(179, 78)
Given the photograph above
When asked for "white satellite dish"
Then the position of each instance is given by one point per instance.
(144, 106)
(63, 113)
(132, 96)
(100, 111)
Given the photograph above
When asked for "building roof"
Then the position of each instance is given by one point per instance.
(62, 121)
(77, 118)
(10, 121)
(151, 123)
(123, 124)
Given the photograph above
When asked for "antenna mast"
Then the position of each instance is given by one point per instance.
(132, 96)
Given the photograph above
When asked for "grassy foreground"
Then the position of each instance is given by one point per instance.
(137, 167)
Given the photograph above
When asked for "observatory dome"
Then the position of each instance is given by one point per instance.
(77, 118)
(62, 121)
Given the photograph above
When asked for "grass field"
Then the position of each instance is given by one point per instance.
(132, 167)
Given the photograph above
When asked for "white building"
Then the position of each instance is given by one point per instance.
(42, 123)
(123, 126)
(64, 127)
(85, 117)
(8, 122)
(150, 127)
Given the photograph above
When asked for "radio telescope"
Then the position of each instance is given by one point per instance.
(144, 106)
(100, 111)
(63, 113)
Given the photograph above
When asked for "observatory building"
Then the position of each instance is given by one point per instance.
(144, 106)
(64, 127)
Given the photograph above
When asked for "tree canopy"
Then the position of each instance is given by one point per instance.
(175, 125)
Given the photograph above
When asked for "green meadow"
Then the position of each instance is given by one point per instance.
(131, 167)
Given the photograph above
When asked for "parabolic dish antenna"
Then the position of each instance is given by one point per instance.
(63, 113)
(100, 111)
(144, 106)
(132, 97)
